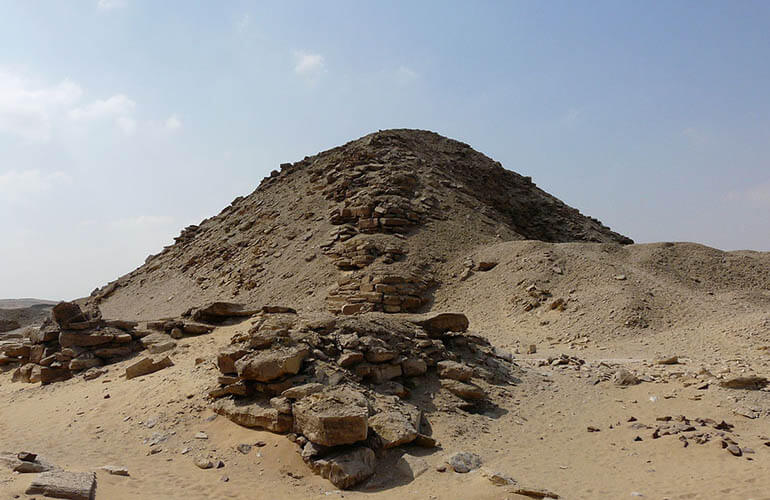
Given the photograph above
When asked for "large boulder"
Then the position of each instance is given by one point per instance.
(332, 418)
(347, 468)
(269, 365)
(394, 428)
(220, 311)
(65, 313)
(437, 324)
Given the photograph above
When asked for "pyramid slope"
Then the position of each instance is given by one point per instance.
(393, 205)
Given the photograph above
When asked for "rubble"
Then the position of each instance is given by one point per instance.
(341, 382)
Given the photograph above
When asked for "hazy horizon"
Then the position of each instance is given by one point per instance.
(123, 121)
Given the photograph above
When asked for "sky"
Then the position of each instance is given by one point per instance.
(123, 121)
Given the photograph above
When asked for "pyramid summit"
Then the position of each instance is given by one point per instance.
(395, 205)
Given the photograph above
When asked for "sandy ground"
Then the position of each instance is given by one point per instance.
(541, 438)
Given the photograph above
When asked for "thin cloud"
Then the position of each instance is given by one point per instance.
(173, 122)
(110, 4)
(309, 65)
(243, 23)
(757, 195)
(406, 75)
(116, 105)
(18, 186)
(28, 109)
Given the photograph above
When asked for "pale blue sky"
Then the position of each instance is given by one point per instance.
(122, 121)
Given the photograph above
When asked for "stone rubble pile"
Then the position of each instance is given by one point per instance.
(73, 340)
(348, 387)
(697, 430)
(377, 206)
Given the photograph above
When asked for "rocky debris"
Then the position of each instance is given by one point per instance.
(497, 478)
(563, 360)
(454, 370)
(63, 484)
(342, 382)
(697, 430)
(670, 360)
(464, 461)
(751, 382)
(6, 325)
(25, 462)
(147, 365)
(533, 492)
(74, 340)
(115, 470)
(624, 377)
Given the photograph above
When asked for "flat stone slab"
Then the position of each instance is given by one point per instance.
(63, 484)
(147, 365)
(254, 414)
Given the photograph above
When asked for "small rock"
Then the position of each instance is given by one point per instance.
(244, 448)
(203, 463)
(26, 456)
(497, 478)
(464, 462)
(748, 382)
(201, 435)
(115, 470)
(624, 377)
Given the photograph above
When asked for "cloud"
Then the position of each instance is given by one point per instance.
(28, 109)
(118, 107)
(757, 195)
(173, 122)
(126, 124)
(143, 222)
(695, 135)
(405, 75)
(110, 4)
(571, 117)
(243, 23)
(309, 65)
(19, 186)
(33, 111)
